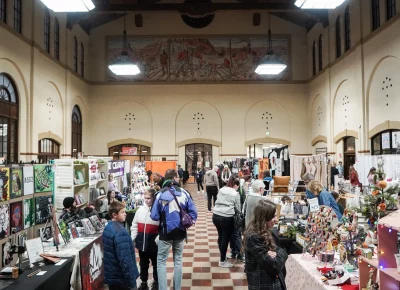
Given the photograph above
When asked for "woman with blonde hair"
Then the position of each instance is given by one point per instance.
(324, 196)
(265, 261)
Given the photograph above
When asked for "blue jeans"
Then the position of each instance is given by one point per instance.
(163, 251)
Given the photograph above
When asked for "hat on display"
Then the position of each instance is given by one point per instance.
(68, 202)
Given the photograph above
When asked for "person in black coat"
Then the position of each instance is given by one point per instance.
(334, 171)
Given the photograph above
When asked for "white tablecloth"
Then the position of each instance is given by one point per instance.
(302, 274)
(72, 249)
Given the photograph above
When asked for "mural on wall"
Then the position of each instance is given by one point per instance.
(92, 266)
(4, 184)
(4, 221)
(29, 213)
(43, 178)
(199, 59)
(16, 217)
(16, 182)
(43, 208)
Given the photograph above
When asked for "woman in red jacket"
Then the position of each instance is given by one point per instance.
(353, 175)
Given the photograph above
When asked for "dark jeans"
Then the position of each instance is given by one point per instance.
(145, 258)
(224, 227)
(118, 287)
(236, 242)
(199, 184)
(212, 192)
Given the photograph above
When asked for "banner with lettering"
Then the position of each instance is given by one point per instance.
(117, 168)
(28, 180)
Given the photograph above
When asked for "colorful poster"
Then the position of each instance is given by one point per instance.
(29, 213)
(92, 266)
(16, 182)
(28, 180)
(43, 206)
(4, 184)
(63, 227)
(16, 217)
(43, 178)
(385, 140)
(93, 172)
(116, 168)
(129, 150)
(4, 221)
(205, 59)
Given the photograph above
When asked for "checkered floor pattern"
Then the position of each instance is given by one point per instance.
(201, 256)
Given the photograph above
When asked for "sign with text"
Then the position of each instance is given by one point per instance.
(28, 180)
(129, 151)
(314, 205)
(116, 168)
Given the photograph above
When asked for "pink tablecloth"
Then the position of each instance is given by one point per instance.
(302, 274)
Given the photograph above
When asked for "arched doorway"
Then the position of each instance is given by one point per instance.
(76, 132)
(8, 118)
(349, 154)
(197, 155)
(48, 150)
(132, 152)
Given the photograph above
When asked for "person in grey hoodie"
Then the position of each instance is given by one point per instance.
(211, 185)
(252, 199)
(224, 210)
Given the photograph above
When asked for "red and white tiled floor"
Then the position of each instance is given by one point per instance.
(201, 256)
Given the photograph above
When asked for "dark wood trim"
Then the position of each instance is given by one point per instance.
(364, 151)
(29, 154)
(239, 155)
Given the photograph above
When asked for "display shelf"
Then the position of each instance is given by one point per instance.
(392, 272)
(372, 262)
(81, 185)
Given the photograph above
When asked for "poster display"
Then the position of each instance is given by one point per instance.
(116, 168)
(43, 208)
(16, 217)
(43, 178)
(92, 265)
(28, 180)
(4, 184)
(385, 140)
(93, 172)
(29, 213)
(4, 221)
(16, 183)
(129, 150)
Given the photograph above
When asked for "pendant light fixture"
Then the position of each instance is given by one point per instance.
(123, 65)
(318, 4)
(270, 65)
(69, 5)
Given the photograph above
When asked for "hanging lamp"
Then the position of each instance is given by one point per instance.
(123, 65)
(69, 5)
(318, 4)
(270, 65)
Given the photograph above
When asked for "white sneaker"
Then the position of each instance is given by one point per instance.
(198, 192)
(225, 264)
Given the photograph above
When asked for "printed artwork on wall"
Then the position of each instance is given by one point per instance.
(199, 59)
(43, 206)
(64, 231)
(4, 221)
(43, 178)
(4, 184)
(16, 182)
(92, 266)
(16, 216)
(28, 180)
(45, 233)
(29, 213)
(6, 249)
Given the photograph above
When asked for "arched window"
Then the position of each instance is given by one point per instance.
(48, 150)
(56, 39)
(132, 152)
(376, 17)
(82, 60)
(320, 52)
(18, 15)
(8, 119)
(338, 38)
(47, 30)
(314, 65)
(390, 8)
(76, 132)
(75, 54)
(3, 11)
(386, 142)
(347, 36)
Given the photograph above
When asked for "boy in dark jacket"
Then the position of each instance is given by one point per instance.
(120, 270)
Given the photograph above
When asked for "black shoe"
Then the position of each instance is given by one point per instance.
(154, 286)
(143, 286)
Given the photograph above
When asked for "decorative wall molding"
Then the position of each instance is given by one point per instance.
(319, 138)
(50, 135)
(344, 134)
(129, 141)
(198, 140)
(267, 140)
(387, 125)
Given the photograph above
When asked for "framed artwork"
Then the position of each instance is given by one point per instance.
(4, 184)
(4, 221)
(63, 227)
(43, 178)
(28, 180)
(16, 182)
(43, 206)
(102, 191)
(98, 226)
(29, 213)
(103, 175)
(73, 229)
(80, 177)
(16, 217)
(88, 226)
(92, 266)
(45, 233)
(6, 251)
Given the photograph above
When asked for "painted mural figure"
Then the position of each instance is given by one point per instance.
(164, 62)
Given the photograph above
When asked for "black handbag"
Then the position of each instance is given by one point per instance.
(238, 219)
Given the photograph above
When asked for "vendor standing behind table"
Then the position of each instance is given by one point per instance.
(334, 172)
(324, 197)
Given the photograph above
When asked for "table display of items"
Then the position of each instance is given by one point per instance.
(139, 184)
